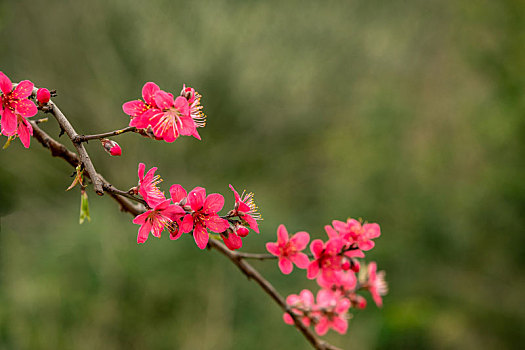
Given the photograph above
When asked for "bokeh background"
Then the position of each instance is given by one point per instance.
(406, 113)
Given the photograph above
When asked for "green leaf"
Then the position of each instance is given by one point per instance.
(84, 207)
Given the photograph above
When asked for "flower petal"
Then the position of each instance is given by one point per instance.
(288, 319)
(317, 247)
(213, 203)
(144, 231)
(134, 108)
(182, 106)
(340, 325)
(251, 222)
(196, 198)
(163, 99)
(141, 218)
(322, 326)
(187, 224)
(8, 122)
(25, 131)
(313, 270)
(178, 193)
(282, 235)
(142, 168)
(301, 260)
(23, 89)
(5, 84)
(148, 93)
(300, 240)
(217, 224)
(25, 108)
(273, 248)
(201, 236)
(285, 265)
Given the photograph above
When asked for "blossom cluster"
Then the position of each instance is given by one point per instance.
(15, 108)
(165, 117)
(335, 267)
(184, 212)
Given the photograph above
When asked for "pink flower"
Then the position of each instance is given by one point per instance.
(148, 186)
(344, 281)
(354, 232)
(156, 219)
(376, 284)
(172, 118)
(43, 96)
(136, 109)
(15, 107)
(246, 209)
(111, 147)
(196, 114)
(333, 309)
(301, 304)
(204, 215)
(327, 259)
(289, 249)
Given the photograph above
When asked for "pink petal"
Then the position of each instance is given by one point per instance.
(334, 246)
(201, 236)
(196, 134)
(163, 99)
(5, 84)
(322, 327)
(342, 305)
(148, 92)
(288, 319)
(8, 122)
(235, 194)
(162, 204)
(325, 297)
(144, 231)
(307, 297)
(178, 193)
(301, 260)
(372, 230)
(355, 254)
(273, 248)
(25, 131)
(25, 108)
(141, 218)
(282, 234)
(285, 265)
(187, 224)
(175, 235)
(217, 224)
(366, 245)
(331, 232)
(339, 225)
(339, 325)
(317, 247)
(196, 198)
(142, 168)
(213, 203)
(173, 212)
(251, 222)
(182, 106)
(134, 108)
(300, 240)
(292, 299)
(23, 89)
(188, 125)
(312, 270)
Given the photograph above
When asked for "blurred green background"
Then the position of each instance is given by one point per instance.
(406, 113)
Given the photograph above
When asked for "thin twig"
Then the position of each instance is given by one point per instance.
(84, 138)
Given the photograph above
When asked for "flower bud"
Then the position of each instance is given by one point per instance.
(231, 240)
(360, 302)
(346, 265)
(242, 231)
(111, 147)
(43, 95)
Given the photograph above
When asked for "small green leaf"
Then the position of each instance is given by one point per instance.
(84, 207)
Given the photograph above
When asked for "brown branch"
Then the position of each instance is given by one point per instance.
(84, 138)
(252, 273)
(59, 150)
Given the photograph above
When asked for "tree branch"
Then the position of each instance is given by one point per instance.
(59, 150)
(84, 138)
